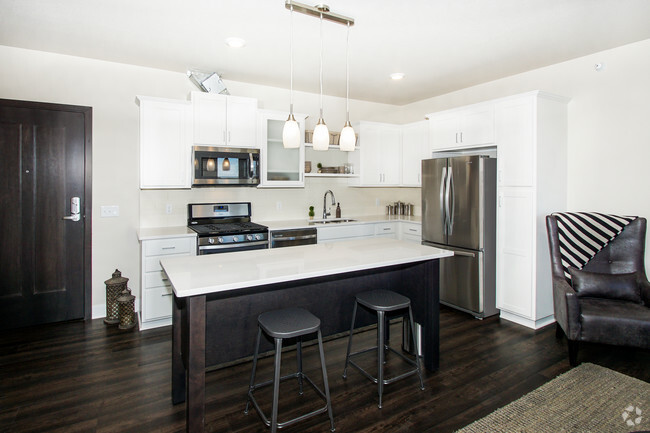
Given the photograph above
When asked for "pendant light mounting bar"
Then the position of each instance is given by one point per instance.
(317, 11)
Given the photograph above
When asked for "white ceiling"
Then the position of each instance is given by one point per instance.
(441, 45)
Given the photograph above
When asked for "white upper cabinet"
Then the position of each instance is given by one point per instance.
(281, 168)
(224, 120)
(415, 148)
(461, 128)
(165, 143)
(379, 154)
(515, 125)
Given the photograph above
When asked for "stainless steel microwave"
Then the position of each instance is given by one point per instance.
(225, 166)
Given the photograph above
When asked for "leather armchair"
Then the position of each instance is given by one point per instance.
(603, 319)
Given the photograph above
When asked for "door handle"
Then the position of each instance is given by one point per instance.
(443, 202)
(75, 214)
(451, 202)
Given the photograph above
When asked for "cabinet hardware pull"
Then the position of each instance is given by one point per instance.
(166, 294)
(168, 248)
(412, 230)
(165, 279)
(461, 137)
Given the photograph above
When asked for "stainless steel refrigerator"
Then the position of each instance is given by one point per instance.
(459, 214)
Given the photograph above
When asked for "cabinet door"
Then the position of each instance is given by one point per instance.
(515, 127)
(241, 121)
(209, 118)
(477, 126)
(370, 142)
(444, 131)
(515, 256)
(165, 143)
(280, 167)
(414, 150)
(390, 154)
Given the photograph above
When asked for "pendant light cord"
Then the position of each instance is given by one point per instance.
(347, 75)
(291, 61)
(321, 65)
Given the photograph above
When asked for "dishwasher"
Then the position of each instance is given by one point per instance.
(293, 237)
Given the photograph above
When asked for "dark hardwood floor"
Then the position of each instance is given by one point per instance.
(87, 377)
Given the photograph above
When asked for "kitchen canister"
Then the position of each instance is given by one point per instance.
(114, 287)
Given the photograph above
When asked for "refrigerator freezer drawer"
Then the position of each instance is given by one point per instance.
(461, 282)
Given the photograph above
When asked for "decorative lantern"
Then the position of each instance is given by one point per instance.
(126, 303)
(114, 287)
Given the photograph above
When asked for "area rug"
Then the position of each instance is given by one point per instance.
(588, 398)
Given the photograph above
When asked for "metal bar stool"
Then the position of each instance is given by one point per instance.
(383, 301)
(281, 324)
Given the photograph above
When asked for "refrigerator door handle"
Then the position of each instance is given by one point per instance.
(449, 197)
(443, 202)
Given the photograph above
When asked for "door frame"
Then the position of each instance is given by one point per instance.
(87, 113)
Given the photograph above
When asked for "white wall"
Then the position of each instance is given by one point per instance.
(609, 140)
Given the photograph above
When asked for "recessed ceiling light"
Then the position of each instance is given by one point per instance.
(397, 75)
(234, 42)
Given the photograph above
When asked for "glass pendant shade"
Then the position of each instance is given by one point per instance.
(291, 133)
(348, 139)
(321, 139)
(225, 166)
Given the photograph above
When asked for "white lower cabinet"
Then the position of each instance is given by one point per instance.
(335, 233)
(386, 230)
(411, 232)
(516, 256)
(156, 291)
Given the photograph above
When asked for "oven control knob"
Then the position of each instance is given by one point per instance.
(249, 237)
(258, 237)
(211, 240)
(220, 239)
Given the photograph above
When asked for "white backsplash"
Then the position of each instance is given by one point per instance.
(274, 204)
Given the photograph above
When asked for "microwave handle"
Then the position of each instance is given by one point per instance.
(251, 166)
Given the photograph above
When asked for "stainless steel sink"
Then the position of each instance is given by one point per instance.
(332, 221)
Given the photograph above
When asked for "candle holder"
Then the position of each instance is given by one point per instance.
(114, 287)
(126, 302)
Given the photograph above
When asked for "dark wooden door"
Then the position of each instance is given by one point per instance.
(44, 259)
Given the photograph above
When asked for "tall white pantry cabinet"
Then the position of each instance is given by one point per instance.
(531, 139)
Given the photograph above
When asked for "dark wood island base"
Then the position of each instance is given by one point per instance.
(212, 329)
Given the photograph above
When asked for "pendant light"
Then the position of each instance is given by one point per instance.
(347, 139)
(291, 130)
(321, 139)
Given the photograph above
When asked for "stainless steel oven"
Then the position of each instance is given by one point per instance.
(293, 237)
(225, 227)
(225, 166)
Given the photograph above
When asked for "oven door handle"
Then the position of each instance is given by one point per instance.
(224, 246)
(293, 238)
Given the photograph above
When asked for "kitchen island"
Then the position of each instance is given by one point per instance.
(217, 299)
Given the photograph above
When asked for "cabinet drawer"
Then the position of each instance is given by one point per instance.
(161, 247)
(156, 279)
(384, 228)
(412, 229)
(158, 303)
(152, 263)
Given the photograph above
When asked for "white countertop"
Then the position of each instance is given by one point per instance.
(305, 223)
(198, 275)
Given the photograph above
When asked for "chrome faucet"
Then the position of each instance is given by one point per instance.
(325, 211)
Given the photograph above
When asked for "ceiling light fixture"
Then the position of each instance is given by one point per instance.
(235, 42)
(347, 140)
(397, 75)
(321, 139)
(321, 136)
(291, 130)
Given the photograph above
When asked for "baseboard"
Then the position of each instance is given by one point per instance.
(529, 323)
(99, 311)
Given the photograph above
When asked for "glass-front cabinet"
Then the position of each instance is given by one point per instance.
(281, 168)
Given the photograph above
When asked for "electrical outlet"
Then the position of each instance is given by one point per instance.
(278, 205)
(377, 202)
(110, 211)
(168, 208)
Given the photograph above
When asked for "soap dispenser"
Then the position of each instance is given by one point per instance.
(338, 210)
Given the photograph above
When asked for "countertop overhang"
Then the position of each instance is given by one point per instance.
(200, 275)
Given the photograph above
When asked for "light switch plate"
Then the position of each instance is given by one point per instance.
(110, 211)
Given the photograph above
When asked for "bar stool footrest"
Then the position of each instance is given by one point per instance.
(266, 421)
